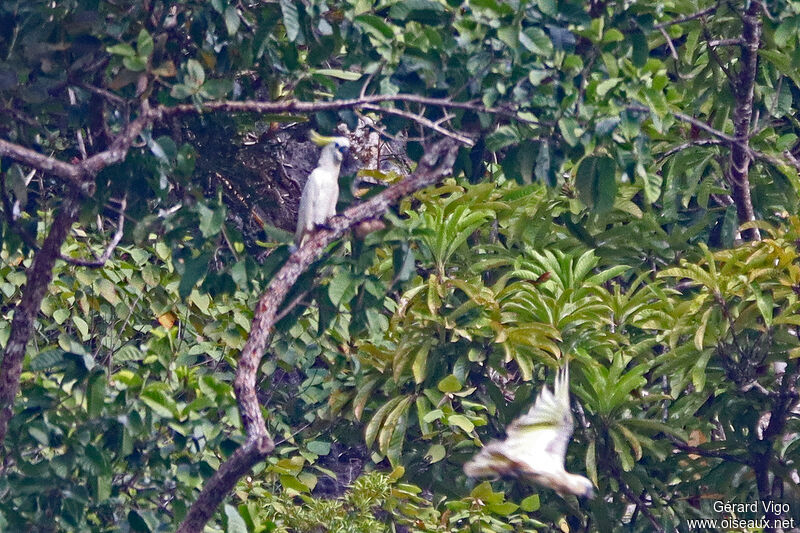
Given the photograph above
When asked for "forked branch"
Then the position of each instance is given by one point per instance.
(436, 163)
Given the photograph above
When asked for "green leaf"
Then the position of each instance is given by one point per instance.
(450, 384)
(613, 35)
(180, 91)
(234, 521)
(194, 270)
(319, 447)
(623, 452)
(376, 27)
(232, 20)
(536, 41)
(186, 159)
(530, 504)
(420, 365)
(461, 421)
(764, 302)
(596, 182)
(95, 394)
(292, 483)
(210, 220)
(435, 453)
(60, 315)
(218, 88)
(591, 462)
(651, 183)
(606, 85)
(196, 75)
(136, 64)
(159, 402)
(570, 130)
(502, 137)
(82, 327)
(144, 45)
(342, 288)
(640, 49)
(337, 73)
(47, 359)
(122, 49)
(291, 19)
(433, 415)
(377, 419)
(390, 425)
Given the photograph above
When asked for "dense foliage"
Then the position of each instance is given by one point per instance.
(597, 214)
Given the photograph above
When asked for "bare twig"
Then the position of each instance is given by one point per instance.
(712, 51)
(714, 454)
(26, 156)
(106, 255)
(687, 18)
(684, 146)
(671, 46)
(635, 499)
(370, 77)
(422, 121)
(108, 95)
(725, 42)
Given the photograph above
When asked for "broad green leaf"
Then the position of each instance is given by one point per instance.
(232, 20)
(291, 19)
(449, 384)
(461, 421)
(144, 44)
(596, 182)
(235, 522)
(338, 73)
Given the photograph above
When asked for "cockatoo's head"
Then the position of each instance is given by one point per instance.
(334, 148)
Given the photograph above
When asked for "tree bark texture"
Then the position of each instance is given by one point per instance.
(435, 164)
(740, 156)
(37, 282)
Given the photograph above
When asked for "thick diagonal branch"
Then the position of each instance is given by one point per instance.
(37, 282)
(740, 155)
(434, 165)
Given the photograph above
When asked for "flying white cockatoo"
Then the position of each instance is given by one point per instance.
(321, 192)
(536, 445)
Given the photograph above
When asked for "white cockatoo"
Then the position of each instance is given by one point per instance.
(321, 192)
(536, 445)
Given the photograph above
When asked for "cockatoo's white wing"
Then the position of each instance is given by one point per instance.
(536, 444)
(321, 191)
(314, 202)
(544, 431)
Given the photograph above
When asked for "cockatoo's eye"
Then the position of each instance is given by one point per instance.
(342, 148)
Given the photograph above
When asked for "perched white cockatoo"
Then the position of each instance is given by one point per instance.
(536, 445)
(321, 192)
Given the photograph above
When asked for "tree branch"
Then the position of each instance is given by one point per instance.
(78, 174)
(436, 163)
(634, 499)
(422, 121)
(740, 156)
(106, 255)
(714, 454)
(26, 156)
(37, 282)
(687, 18)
